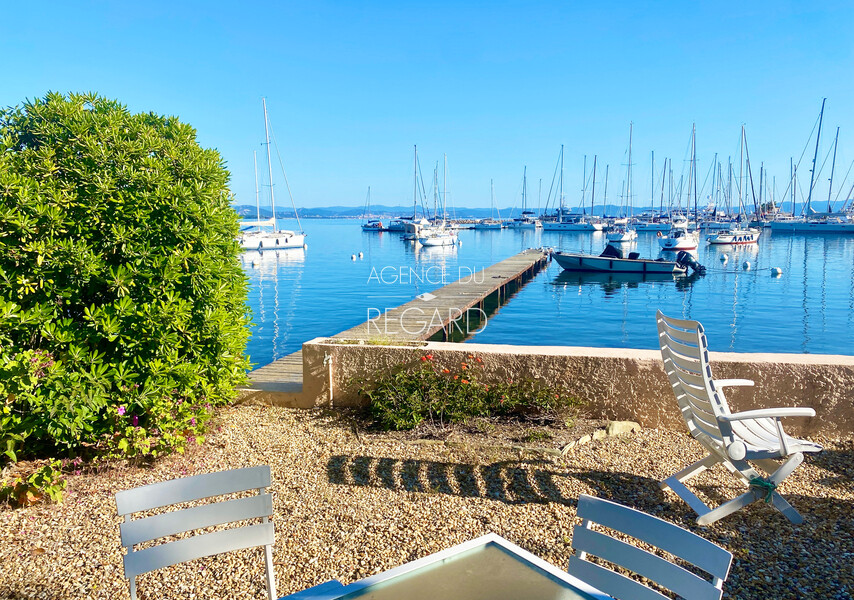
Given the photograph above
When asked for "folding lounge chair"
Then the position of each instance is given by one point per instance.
(734, 439)
(683, 544)
(189, 489)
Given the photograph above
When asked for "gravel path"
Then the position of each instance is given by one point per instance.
(348, 506)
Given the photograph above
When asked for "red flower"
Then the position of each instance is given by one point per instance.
(429, 357)
(479, 360)
(456, 376)
(465, 380)
(464, 367)
(423, 358)
(445, 371)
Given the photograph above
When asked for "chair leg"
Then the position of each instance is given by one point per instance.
(271, 573)
(727, 508)
(692, 470)
(132, 582)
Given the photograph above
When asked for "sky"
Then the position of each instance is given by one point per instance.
(495, 86)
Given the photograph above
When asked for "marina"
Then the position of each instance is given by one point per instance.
(297, 295)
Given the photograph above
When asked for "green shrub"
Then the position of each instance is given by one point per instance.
(422, 391)
(44, 483)
(122, 304)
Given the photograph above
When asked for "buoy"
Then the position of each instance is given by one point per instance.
(724, 258)
(746, 265)
(776, 271)
(459, 242)
(360, 255)
(352, 257)
(657, 234)
(304, 246)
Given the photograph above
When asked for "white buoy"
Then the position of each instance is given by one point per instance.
(352, 257)
(305, 246)
(724, 258)
(360, 255)
(459, 242)
(776, 271)
(746, 265)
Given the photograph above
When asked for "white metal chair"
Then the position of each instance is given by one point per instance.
(190, 489)
(681, 543)
(730, 438)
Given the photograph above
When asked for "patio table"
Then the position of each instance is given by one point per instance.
(486, 568)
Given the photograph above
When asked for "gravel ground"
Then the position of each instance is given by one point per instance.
(348, 506)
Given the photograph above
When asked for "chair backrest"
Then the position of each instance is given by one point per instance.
(191, 489)
(681, 543)
(685, 352)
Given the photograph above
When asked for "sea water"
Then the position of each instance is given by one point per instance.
(297, 295)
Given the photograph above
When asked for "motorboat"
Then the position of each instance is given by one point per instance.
(611, 261)
(679, 238)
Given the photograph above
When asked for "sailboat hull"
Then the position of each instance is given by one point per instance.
(601, 264)
(277, 240)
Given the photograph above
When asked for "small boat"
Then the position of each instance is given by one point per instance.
(625, 233)
(679, 238)
(491, 222)
(611, 261)
(255, 237)
(370, 224)
(735, 237)
(440, 236)
(528, 218)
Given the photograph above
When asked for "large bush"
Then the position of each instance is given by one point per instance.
(122, 304)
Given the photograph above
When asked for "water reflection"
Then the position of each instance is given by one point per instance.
(611, 283)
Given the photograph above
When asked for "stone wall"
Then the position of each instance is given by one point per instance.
(618, 384)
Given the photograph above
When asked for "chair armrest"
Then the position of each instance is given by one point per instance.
(771, 413)
(730, 382)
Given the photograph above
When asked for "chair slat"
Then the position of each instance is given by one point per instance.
(611, 583)
(681, 349)
(663, 572)
(669, 537)
(197, 517)
(680, 323)
(199, 546)
(686, 364)
(192, 488)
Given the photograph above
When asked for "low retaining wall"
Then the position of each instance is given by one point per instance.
(616, 384)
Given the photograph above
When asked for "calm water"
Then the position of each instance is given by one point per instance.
(297, 295)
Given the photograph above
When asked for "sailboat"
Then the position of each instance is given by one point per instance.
(528, 219)
(370, 224)
(737, 235)
(574, 222)
(679, 237)
(259, 238)
(491, 222)
(625, 233)
(441, 235)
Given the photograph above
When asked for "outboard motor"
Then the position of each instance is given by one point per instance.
(685, 260)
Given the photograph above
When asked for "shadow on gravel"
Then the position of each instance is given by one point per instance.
(513, 482)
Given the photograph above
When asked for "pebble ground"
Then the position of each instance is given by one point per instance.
(348, 506)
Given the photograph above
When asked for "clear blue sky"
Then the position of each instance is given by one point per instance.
(351, 87)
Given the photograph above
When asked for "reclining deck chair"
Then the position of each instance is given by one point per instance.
(734, 439)
(190, 489)
(685, 545)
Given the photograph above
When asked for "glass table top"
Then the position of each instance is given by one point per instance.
(488, 571)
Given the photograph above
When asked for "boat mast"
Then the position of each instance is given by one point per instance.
(269, 165)
(652, 180)
(629, 183)
(492, 200)
(832, 169)
(661, 201)
(761, 181)
(593, 192)
(415, 187)
(444, 189)
(584, 187)
(694, 166)
(561, 184)
(257, 191)
(740, 172)
(524, 189)
(605, 198)
(815, 156)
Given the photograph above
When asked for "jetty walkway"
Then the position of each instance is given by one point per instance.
(452, 312)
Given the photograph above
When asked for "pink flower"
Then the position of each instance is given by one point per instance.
(121, 410)
(193, 421)
(135, 421)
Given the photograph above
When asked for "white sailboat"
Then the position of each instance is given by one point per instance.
(737, 235)
(370, 224)
(440, 235)
(491, 223)
(625, 233)
(680, 237)
(576, 222)
(528, 219)
(258, 237)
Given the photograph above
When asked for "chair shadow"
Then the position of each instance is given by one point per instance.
(511, 481)
(839, 463)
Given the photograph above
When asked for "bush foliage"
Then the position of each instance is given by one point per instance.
(122, 305)
(424, 391)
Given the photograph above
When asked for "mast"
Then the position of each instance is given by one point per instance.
(761, 181)
(663, 177)
(740, 173)
(605, 199)
(694, 165)
(593, 192)
(492, 200)
(832, 169)
(415, 187)
(561, 184)
(539, 195)
(652, 180)
(584, 186)
(269, 165)
(524, 189)
(815, 156)
(629, 183)
(445, 189)
(257, 191)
